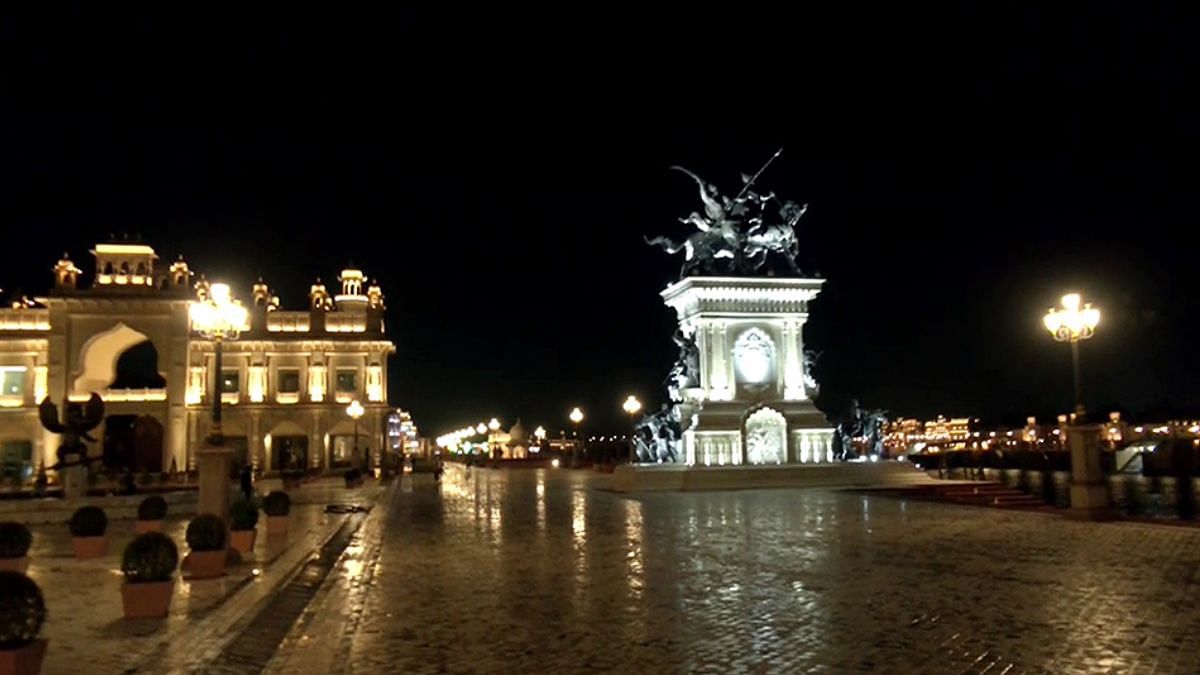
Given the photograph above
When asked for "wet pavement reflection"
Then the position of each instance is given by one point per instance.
(537, 570)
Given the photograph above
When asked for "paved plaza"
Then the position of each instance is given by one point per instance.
(539, 571)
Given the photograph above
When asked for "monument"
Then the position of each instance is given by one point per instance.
(740, 392)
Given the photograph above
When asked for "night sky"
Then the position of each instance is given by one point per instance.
(496, 171)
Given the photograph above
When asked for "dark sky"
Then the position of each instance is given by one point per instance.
(496, 171)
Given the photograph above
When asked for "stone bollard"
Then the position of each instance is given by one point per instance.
(1089, 486)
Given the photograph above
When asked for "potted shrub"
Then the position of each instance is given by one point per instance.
(150, 515)
(14, 547)
(88, 528)
(353, 478)
(244, 518)
(206, 539)
(149, 566)
(22, 612)
(277, 505)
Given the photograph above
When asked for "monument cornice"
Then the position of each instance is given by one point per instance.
(741, 296)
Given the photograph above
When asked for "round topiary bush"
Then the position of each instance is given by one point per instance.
(22, 610)
(152, 508)
(243, 514)
(15, 539)
(206, 532)
(89, 521)
(277, 503)
(149, 557)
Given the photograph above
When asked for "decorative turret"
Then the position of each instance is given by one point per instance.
(202, 289)
(66, 274)
(375, 307)
(318, 297)
(375, 295)
(124, 266)
(262, 304)
(351, 299)
(318, 304)
(261, 293)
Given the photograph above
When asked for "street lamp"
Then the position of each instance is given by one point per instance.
(355, 410)
(481, 428)
(217, 317)
(494, 425)
(576, 417)
(632, 406)
(1072, 324)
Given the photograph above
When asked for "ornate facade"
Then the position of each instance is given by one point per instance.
(284, 384)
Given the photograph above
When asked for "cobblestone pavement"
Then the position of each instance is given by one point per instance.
(536, 571)
(85, 627)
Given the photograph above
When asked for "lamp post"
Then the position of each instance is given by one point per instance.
(1073, 324)
(493, 426)
(355, 410)
(632, 406)
(576, 417)
(217, 317)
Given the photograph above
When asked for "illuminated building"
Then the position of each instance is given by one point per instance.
(402, 433)
(284, 383)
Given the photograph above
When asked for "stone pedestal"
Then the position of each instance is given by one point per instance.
(74, 478)
(747, 401)
(214, 463)
(1089, 486)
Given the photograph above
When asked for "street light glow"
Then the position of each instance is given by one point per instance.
(576, 415)
(632, 405)
(494, 424)
(355, 410)
(481, 428)
(1072, 324)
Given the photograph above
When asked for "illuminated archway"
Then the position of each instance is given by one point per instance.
(98, 358)
(766, 437)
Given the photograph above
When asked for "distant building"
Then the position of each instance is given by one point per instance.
(284, 384)
(402, 433)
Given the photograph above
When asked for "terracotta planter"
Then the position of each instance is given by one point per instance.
(206, 564)
(144, 526)
(14, 564)
(242, 541)
(147, 600)
(24, 661)
(90, 547)
(277, 524)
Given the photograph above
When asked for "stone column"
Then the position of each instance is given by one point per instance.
(720, 373)
(1089, 487)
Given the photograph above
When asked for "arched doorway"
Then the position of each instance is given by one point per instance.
(766, 437)
(133, 442)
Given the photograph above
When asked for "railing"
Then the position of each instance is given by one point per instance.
(1165, 488)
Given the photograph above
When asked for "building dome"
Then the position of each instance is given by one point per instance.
(517, 433)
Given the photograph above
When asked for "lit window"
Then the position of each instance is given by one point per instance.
(12, 381)
(289, 382)
(229, 382)
(347, 380)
